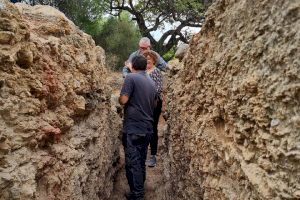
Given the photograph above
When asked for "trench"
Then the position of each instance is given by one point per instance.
(232, 129)
(154, 185)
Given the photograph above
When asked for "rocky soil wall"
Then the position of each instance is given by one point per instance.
(59, 138)
(233, 105)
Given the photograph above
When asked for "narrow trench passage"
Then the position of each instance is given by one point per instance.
(154, 189)
(154, 181)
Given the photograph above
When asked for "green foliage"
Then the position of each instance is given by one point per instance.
(170, 17)
(119, 37)
(170, 55)
(153, 15)
(84, 13)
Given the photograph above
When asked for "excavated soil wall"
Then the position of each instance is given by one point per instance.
(233, 105)
(59, 135)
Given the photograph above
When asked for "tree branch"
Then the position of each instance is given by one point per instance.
(155, 12)
(157, 23)
(147, 4)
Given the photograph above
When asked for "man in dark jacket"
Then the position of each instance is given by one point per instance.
(139, 95)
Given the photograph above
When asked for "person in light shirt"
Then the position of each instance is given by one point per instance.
(144, 45)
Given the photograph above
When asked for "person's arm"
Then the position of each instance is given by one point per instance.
(123, 99)
(126, 91)
(125, 71)
(155, 103)
(162, 65)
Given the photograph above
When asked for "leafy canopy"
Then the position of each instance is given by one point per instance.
(119, 37)
(171, 17)
(152, 15)
(84, 13)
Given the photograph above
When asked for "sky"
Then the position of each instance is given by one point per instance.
(157, 34)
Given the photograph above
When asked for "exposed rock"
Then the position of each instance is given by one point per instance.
(59, 138)
(181, 51)
(233, 105)
(6, 37)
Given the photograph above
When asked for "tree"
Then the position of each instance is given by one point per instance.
(151, 15)
(119, 37)
(84, 13)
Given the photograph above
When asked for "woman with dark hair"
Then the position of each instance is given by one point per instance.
(156, 76)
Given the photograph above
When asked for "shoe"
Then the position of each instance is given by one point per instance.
(128, 197)
(152, 161)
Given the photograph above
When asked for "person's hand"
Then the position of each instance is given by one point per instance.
(128, 64)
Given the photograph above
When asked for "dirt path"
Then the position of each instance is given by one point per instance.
(154, 175)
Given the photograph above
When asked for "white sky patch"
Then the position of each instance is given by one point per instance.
(157, 34)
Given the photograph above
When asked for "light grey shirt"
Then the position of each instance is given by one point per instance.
(161, 63)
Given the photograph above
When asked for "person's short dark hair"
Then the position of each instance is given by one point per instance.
(139, 62)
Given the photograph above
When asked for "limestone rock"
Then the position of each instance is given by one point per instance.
(58, 134)
(181, 51)
(233, 105)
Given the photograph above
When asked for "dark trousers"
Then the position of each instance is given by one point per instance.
(135, 148)
(154, 139)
